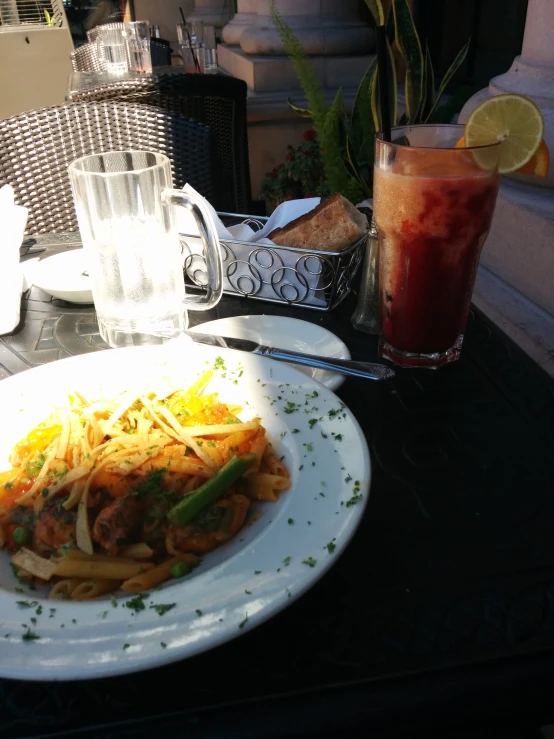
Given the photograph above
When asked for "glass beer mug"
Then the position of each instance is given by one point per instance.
(125, 210)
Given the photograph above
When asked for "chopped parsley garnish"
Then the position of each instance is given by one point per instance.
(348, 478)
(114, 602)
(257, 572)
(163, 644)
(198, 612)
(331, 547)
(103, 614)
(286, 561)
(34, 466)
(309, 447)
(8, 485)
(290, 521)
(310, 561)
(295, 431)
(248, 592)
(324, 436)
(30, 635)
(126, 646)
(290, 407)
(162, 608)
(27, 604)
(244, 621)
(219, 364)
(152, 484)
(136, 604)
(337, 437)
(312, 422)
(356, 498)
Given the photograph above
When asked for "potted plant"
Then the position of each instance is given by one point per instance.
(300, 175)
(346, 137)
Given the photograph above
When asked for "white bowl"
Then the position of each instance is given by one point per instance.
(64, 276)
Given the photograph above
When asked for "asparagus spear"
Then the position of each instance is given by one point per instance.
(210, 491)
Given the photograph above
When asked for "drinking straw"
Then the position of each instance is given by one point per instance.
(196, 64)
(382, 53)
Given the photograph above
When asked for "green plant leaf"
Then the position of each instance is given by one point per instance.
(302, 112)
(362, 124)
(419, 116)
(429, 83)
(304, 68)
(407, 41)
(376, 9)
(393, 93)
(391, 29)
(393, 86)
(356, 170)
(446, 79)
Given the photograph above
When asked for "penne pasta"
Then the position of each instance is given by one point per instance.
(88, 568)
(98, 489)
(90, 589)
(157, 575)
(265, 486)
(141, 551)
(64, 589)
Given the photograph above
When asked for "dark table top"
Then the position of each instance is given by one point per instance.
(442, 605)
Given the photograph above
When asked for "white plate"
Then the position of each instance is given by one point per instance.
(285, 333)
(238, 586)
(64, 276)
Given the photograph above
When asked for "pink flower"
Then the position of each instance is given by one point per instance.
(309, 135)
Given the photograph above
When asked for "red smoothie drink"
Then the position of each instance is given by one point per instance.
(433, 209)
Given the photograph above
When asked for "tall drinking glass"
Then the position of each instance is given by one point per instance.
(137, 34)
(433, 207)
(124, 202)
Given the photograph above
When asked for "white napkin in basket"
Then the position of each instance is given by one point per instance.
(254, 267)
(13, 219)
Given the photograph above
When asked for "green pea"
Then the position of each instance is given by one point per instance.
(21, 535)
(179, 569)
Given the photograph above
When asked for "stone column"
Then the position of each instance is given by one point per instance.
(519, 253)
(324, 27)
(211, 12)
(339, 43)
(243, 18)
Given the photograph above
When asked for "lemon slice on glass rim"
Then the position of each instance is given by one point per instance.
(512, 119)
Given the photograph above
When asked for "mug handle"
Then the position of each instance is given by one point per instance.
(210, 248)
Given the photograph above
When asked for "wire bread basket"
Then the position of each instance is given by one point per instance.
(319, 280)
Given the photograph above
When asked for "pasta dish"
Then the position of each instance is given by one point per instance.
(128, 493)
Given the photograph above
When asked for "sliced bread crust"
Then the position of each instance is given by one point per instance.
(333, 226)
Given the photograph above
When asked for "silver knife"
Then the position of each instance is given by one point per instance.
(369, 370)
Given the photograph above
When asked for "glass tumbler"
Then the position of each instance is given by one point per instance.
(137, 35)
(111, 44)
(124, 202)
(433, 205)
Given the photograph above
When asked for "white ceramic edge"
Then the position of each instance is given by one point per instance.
(332, 381)
(78, 297)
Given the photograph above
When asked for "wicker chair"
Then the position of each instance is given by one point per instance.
(217, 100)
(37, 147)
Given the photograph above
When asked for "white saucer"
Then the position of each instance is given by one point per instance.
(285, 333)
(64, 276)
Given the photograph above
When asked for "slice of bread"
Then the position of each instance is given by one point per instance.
(332, 226)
